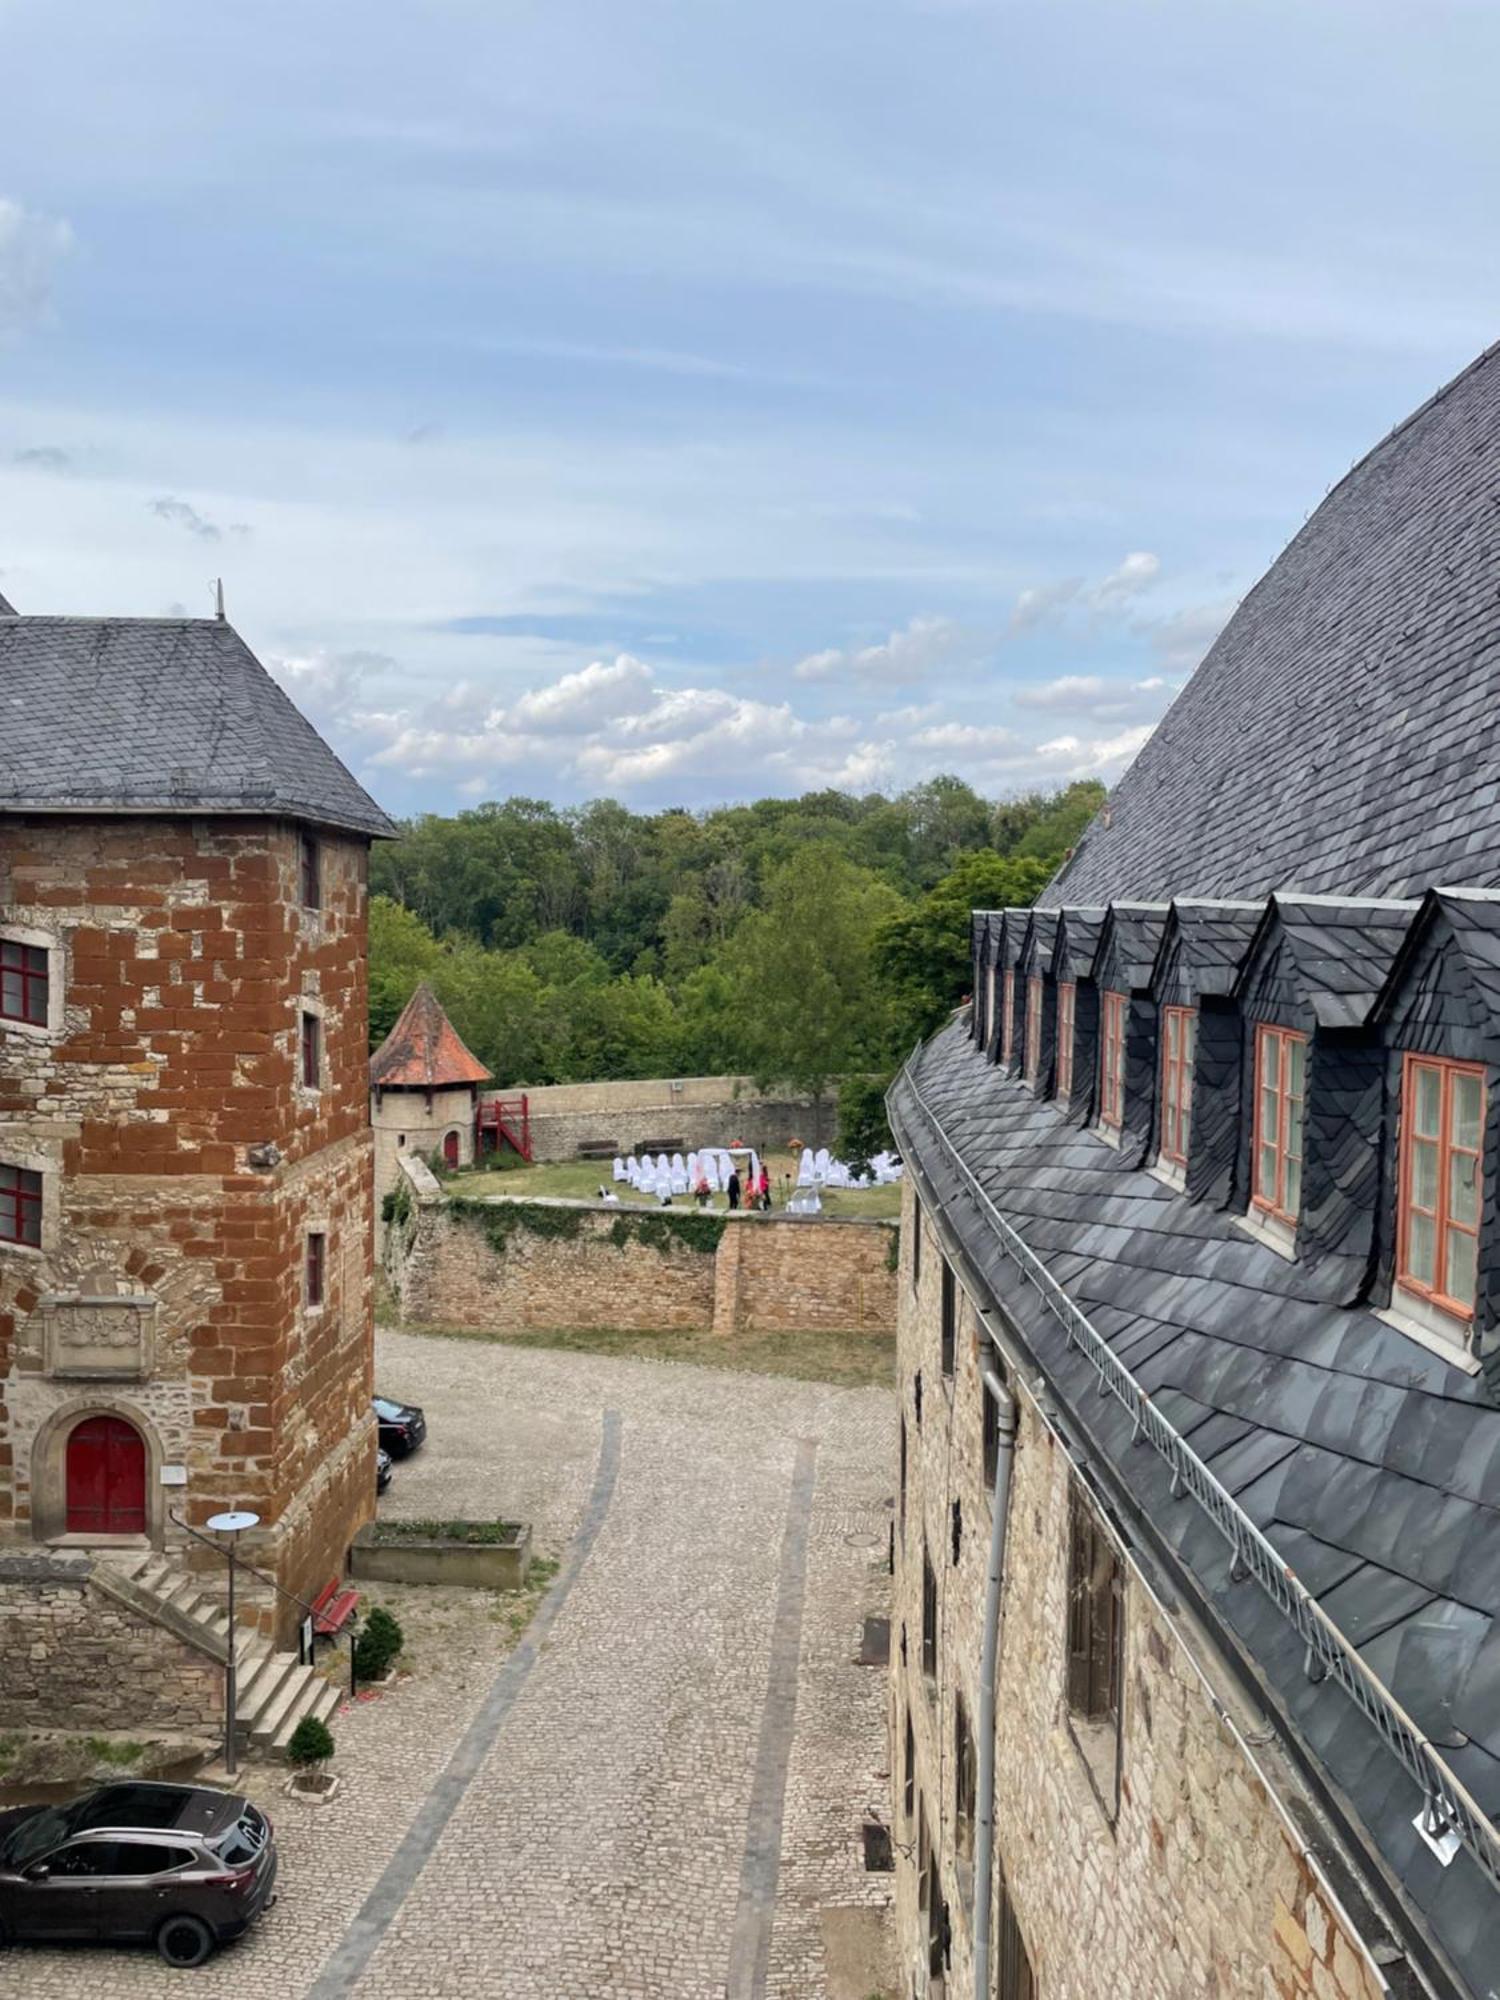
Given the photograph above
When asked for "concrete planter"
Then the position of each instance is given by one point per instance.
(318, 1788)
(376, 1557)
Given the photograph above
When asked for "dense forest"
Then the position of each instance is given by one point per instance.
(794, 940)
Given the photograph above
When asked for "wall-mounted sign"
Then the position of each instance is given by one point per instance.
(174, 1475)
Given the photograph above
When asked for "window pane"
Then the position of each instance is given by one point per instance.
(1458, 1281)
(1270, 1060)
(10, 994)
(1293, 1197)
(1269, 1103)
(1296, 1059)
(1265, 1177)
(1467, 1109)
(1427, 1098)
(1189, 1036)
(1463, 1188)
(1421, 1256)
(1424, 1174)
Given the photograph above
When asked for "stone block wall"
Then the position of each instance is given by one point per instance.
(1194, 1885)
(77, 1659)
(589, 1264)
(696, 1110)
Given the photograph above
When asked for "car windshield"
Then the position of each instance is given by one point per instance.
(392, 1412)
(38, 1835)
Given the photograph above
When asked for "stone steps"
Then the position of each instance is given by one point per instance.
(273, 1689)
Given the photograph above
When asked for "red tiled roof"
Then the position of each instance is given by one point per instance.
(422, 1051)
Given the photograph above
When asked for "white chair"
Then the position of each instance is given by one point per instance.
(692, 1169)
(633, 1171)
(620, 1173)
(646, 1180)
(679, 1175)
(805, 1169)
(821, 1164)
(838, 1174)
(710, 1167)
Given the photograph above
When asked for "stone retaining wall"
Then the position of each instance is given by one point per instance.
(694, 1110)
(504, 1265)
(77, 1658)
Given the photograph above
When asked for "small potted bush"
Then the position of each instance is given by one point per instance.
(380, 1641)
(308, 1754)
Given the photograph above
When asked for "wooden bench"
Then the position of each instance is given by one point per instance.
(598, 1149)
(655, 1146)
(332, 1609)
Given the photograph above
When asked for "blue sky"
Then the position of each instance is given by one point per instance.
(691, 401)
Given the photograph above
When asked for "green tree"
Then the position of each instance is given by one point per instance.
(922, 954)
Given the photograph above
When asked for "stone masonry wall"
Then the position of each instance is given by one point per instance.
(694, 1110)
(604, 1266)
(1196, 1888)
(184, 959)
(74, 1656)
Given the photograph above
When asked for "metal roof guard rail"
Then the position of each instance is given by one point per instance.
(1448, 1807)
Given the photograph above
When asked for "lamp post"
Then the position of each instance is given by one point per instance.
(233, 1525)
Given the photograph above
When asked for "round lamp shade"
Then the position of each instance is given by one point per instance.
(233, 1523)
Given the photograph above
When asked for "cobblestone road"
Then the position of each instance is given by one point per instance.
(658, 1799)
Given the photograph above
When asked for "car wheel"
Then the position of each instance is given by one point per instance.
(184, 1940)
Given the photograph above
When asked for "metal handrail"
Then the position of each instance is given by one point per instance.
(1448, 1807)
(290, 1595)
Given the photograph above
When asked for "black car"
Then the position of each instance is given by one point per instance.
(402, 1426)
(179, 1866)
(382, 1469)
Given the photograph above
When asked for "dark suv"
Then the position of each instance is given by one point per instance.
(178, 1866)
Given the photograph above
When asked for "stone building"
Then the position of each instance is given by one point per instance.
(424, 1091)
(185, 1152)
(1196, 1672)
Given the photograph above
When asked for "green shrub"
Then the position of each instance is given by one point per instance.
(312, 1743)
(379, 1641)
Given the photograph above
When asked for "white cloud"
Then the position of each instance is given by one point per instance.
(31, 247)
(966, 739)
(179, 514)
(1091, 757)
(1136, 573)
(1066, 692)
(1182, 638)
(1102, 597)
(580, 702)
(918, 649)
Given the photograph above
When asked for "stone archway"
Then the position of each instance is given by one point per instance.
(96, 1474)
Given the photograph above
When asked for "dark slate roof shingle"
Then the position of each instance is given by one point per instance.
(171, 715)
(1327, 671)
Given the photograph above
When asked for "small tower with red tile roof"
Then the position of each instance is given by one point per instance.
(424, 1091)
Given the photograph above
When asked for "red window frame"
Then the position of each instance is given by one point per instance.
(1067, 995)
(1289, 1115)
(1033, 1051)
(1007, 1015)
(1444, 1223)
(21, 1207)
(24, 981)
(317, 1266)
(312, 1052)
(310, 869)
(1178, 1032)
(1112, 1061)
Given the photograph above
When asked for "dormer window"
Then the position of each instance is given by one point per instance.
(1067, 994)
(1007, 1016)
(1442, 1130)
(1178, 1025)
(1280, 1088)
(1112, 1062)
(1033, 1061)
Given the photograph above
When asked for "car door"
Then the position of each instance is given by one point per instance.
(58, 1897)
(132, 1899)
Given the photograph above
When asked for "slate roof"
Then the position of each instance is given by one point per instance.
(1474, 918)
(170, 715)
(1212, 937)
(1342, 948)
(1077, 940)
(423, 1051)
(1311, 750)
(1132, 932)
(1372, 1464)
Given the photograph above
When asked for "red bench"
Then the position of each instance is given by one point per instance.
(332, 1609)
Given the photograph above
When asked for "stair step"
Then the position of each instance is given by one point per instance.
(273, 1712)
(258, 1688)
(317, 1698)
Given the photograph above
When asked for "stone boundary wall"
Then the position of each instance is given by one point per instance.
(79, 1657)
(696, 1110)
(506, 1265)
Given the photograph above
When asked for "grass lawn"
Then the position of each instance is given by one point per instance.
(582, 1179)
(852, 1360)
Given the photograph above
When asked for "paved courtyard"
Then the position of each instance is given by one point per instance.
(657, 1791)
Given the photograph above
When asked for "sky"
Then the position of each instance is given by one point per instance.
(684, 403)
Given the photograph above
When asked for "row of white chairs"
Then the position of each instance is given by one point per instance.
(681, 1176)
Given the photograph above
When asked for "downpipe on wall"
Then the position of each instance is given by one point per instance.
(984, 1803)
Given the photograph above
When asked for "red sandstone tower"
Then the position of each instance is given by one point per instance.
(185, 1151)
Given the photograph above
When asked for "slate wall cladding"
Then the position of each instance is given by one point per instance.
(768, 1274)
(1214, 1148)
(1199, 1886)
(188, 959)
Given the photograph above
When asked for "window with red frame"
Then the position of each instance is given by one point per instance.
(1178, 1026)
(310, 858)
(1280, 1088)
(1112, 1061)
(1067, 994)
(312, 1051)
(1033, 1028)
(20, 1207)
(317, 1261)
(1007, 1016)
(1442, 1137)
(23, 983)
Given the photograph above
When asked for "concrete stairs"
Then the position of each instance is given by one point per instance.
(273, 1690)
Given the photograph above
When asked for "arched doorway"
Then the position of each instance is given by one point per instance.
(450, 1149)
(106, 1478)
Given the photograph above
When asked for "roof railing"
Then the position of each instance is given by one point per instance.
(1448, 1808)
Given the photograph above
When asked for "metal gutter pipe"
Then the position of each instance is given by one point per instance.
(984, 1804)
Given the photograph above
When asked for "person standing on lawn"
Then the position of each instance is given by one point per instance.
(732, 1187)
(763, 1188)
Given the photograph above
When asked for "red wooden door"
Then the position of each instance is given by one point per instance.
(450, 1149)
(106, 1478)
